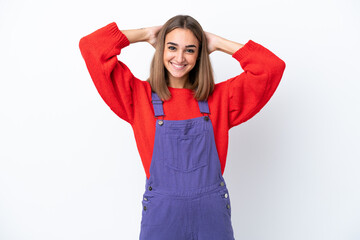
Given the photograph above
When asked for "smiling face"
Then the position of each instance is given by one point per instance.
(181, 50)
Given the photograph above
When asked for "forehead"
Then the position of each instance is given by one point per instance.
(182, 37)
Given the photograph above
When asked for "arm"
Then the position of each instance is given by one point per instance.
(142, 35)
(112, 78)
(217, 43)
(251, 90)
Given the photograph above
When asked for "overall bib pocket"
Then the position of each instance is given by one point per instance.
(186, 153)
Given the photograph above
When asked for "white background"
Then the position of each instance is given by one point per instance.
(69, 167)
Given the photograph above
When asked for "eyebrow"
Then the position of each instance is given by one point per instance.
(188, 46)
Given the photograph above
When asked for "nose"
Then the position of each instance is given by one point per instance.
(179, 56)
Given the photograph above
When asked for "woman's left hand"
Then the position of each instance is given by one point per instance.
(212, 40)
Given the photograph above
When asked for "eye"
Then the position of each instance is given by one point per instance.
(190, 50)
(171, 48)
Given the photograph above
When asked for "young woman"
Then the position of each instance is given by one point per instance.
(181, 119)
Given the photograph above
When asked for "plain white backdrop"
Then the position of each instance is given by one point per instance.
(69, 167)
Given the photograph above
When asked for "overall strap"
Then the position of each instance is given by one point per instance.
(159, 110)
(204, 107)
(157, 104)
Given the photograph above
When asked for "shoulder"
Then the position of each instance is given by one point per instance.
(219, 93)
(141, 88)
(220, 88)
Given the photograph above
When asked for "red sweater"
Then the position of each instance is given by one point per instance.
(233, 101)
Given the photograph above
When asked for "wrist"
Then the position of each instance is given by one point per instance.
(136, 35)
(145, 33)
(228, 46)
(218, 43)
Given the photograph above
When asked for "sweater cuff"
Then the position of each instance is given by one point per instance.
(121, 38)
(245, 50)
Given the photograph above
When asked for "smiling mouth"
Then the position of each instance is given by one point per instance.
(178, 66)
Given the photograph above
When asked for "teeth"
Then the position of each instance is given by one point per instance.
(178, 66)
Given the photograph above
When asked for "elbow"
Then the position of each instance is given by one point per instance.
(282, 66)
(276, 71)
(82, 44)
(278, 68)
(86, 49)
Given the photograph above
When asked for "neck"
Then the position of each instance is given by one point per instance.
(178, 82)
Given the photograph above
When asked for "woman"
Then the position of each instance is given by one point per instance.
(181, 119)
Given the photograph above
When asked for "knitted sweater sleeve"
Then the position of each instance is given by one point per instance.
(112, 79)
(252, 89)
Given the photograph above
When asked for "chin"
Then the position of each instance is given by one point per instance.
(178, 75)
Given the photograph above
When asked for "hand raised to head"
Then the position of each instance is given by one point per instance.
(211, 41)
(152, 34)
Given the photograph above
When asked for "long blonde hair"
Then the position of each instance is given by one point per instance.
(201, 79)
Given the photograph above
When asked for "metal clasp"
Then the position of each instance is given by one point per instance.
(161, 121)
(206, 116)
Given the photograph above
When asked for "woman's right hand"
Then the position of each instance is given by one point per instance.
(148, 34)
(216, 42)
(152, 34)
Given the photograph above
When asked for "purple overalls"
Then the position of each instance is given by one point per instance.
(186, 196)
